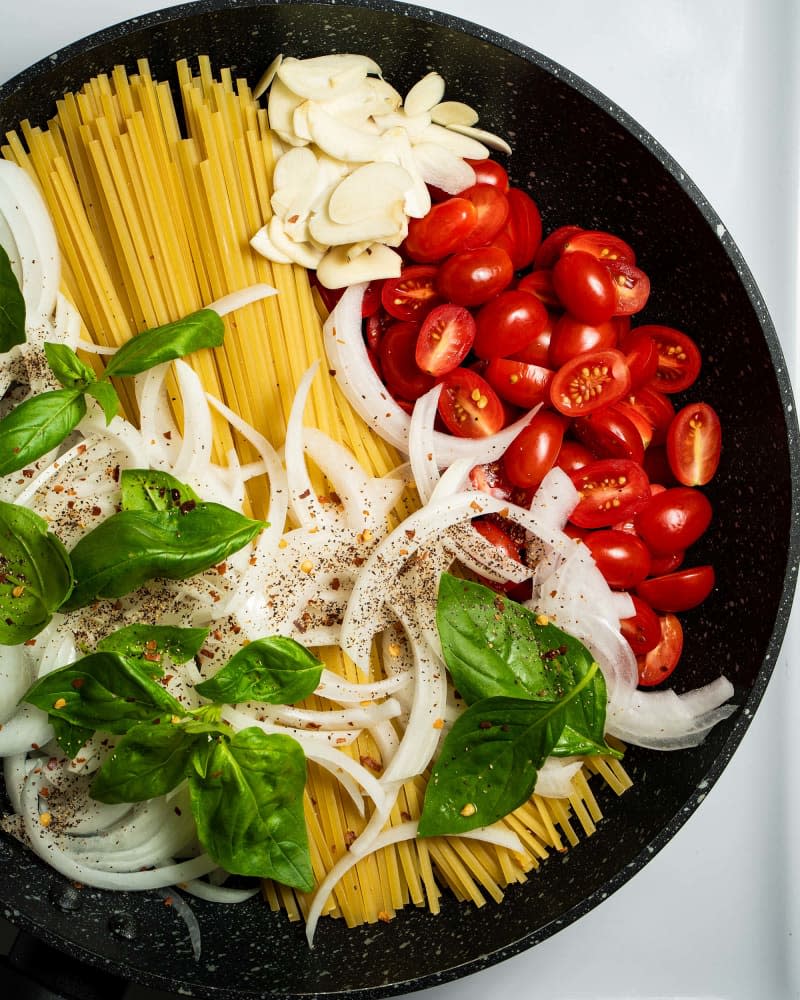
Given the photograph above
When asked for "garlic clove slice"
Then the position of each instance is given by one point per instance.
(304, 254)
(262, 244)
(267, 77)
(425, 94)
(462, 145)
(442, 168)
(388, 226)
(372, 189)
(338, 140)
(336, 270)
(454, 113)
(323, 77)
(280, 112)
(482, 136)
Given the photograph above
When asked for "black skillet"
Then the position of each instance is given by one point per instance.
(570, 148)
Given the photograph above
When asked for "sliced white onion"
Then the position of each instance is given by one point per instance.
(241, 297)
(554, 780)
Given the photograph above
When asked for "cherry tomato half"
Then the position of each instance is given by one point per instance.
(442, 231)
(678, 358)
(490, 172)
(491, 207)
(573, 456)
(517, 383)
(641, 353)
(402, 376)
(472, 277)
(589, 381)
(658, 664)
(643, 630)
(469, 406)
(533, 452)
(444, 339)
(694, 443)
(622, 558)
(571, 336)
(507, 323)
(610, 488)
(631, 286)
(604, 246)
(673, 519)
(609, 433)
(656, 408)
(537, 351)
(679, 591)
(522, 232)
(540, 284)
(552, 246)
(412, 295)
(585, 287)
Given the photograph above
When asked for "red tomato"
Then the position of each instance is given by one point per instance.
(571, 337)
(491, 206)
(622, 558)
(656, 408)
(540, 284)
(523, 230)
(412, 295)
(472, 277)
(445, 339)
(658, 664)
(493, 533)
(490, 172)
(585, 287)
(553, 245)
(609, 433)
(589, 381)
(508, 323)
(656, 465)
(403, 378)
(491, 478)
(573, 456)
(631, 285)
(610, 488)
(375, 327)
(673, 519)
(533, 452)
(659, 565)
(442, 231)
(469, 406)
(517, 383)
(603, 246)
(641, 353)
(694, 442)
(678, 591)
(640, 422)
(329, 296)
(536, 351)
(371, 302)
(643, 630)
(678, 358)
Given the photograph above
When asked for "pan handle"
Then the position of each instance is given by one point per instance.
(35, 971)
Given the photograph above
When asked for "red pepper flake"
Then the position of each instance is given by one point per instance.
(205, 651)
(153, 657)
(349, 838)
(168, 435)
(384, 917)
(27, 473)
(236, 629)
(187, 506)
(358, 560)
(313, 725)
(405, 816)
(96, 511)
(81, 449)
(485, 724)
(70, 504)
(30, 642)
(335, 583)
(52, 764)
(221, 568)
(217, 634)
(58, 488)
(252, 561)
(410, 534)
(305, 494)
(168, 901)
(115, 474)
(370, 763)
(77, 682)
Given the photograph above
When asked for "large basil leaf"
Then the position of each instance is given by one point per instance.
(148, 643)
(247, 802)
(203, 328)
(106, 396)
(35, 574)
(103, 691)
(12, 306)
(151, 489)
(67, 367)
(37, 425)
(70, 738)
(277, 670)
(129, 548)
(148, 761)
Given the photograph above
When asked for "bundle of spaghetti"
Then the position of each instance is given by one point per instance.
(154, 222)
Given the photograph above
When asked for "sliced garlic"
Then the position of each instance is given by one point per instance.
(414, 126)
(323, 77)
(262, 244)
(338, 140)
(369, 190)
(304, 254)
(453, 139)
(482, 136)
(454, 113)
(359, 107)
(267, 77)
(280, 109)
(442, 168)
(389, 226)
(293, 181)
(425, 94)
(396, 148)
(335, 270)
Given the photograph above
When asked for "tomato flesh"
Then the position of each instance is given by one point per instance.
(572, 337)
(622, 558)
(491, 210)
(609, 433)
(442, 231)
(469, 406)
(517, 383)
(643, 630)
(589, 381)
(412, 295)
(678, 358)
(402, 376)
(631, 287)
(610, 488)
(657, 665)
(604, 246)
(694, 444)
(444, 339)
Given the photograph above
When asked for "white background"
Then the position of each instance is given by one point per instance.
(711, 916)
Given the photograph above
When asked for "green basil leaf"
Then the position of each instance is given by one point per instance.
(70, 738)
(150, 760)
(150, 489)
(106, 396)
(103, 691)
(247, 802)
(12, 306)
(203, 328)
(277, 670)
(67, 367)
(35, 574)
(37, 425)
(129, 548)
(148, 643)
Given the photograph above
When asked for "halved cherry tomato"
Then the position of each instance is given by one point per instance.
(533, 452)
(536, 351)
(631, 285)
(574, 456)
(540, 284)
(679, 591)
(491, 206)
(656, 465)
(371, 302)
(640, 422)
(490, 172)
(610, 488)
(678, 358)
(469, 406)
(375, 327)
(402, 376)
(442, 231)
(522, 233)
(491, 478)
(589, 381)
(641, 353)
(643, 630)
(552, 246)
(658, 664)
(413, 294)
(604, 246)
(622, 558)
(585, 287)
(572, 336)
(517, 383)
(493, 533)
(659, 565)
(472, 277)
(444, 339)
(694, 443)
(673, 519)
(507, 323)
(657, 408)
(609, 433)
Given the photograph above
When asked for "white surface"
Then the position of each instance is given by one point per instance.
(715, 82)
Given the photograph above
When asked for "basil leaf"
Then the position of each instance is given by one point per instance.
(12, 306)
(277, 670)
(247, 802)
(203, 328)
(70, 738)
(35, 574)
(103, 691)
(148, 643)
(150, 760)
(37, 425)
(106, 396)
(129, 548)
(150, 489)
(67, 367)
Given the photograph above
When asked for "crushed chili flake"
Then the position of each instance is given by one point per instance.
(187, 506)
(77, 682)
(349, 837)
(438, 723)
(370, 763)
(405, 816)
(168, 901)
(485, 724)
(44, 792)
(58, 488)
(221, 568)
(27, 473)
(305, 494)
(96, 511)
(30, 642)
(52, 764)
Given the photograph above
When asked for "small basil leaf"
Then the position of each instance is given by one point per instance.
(203, 328)
(12, 306)
(37, 425)
(129, 548)
(150, 760)
(106, 396)
(148, 643)
(70, 738)
(150, 489)
(247, 802)
(103, 691)
(67, 367)
(277, 670)
(35, 574)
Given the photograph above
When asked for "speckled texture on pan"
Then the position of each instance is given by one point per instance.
(586, 162)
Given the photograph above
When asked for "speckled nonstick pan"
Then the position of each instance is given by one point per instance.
(572, 148)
